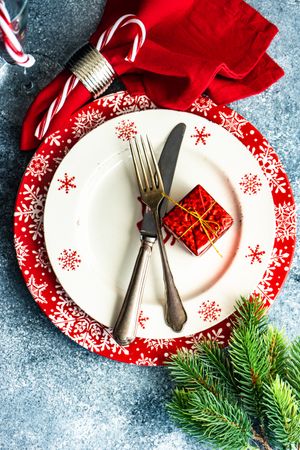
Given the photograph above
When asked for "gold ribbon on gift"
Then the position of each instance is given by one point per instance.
(205, 224)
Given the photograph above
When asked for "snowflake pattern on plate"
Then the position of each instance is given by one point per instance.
(67, 183)
(37, 289)
(250, 184)
(31, 210)
(41, 259)
(146, 361)
(209, 310)
(155, 344)
(216, 335)
(255, 254)
(54, 139)
(38, 166)
(69, 259)
(22, 251)
(202, 105)
(87, 121)
(285, 214)
(200, 136)
(58, 306)
(126, 130)
(271, 167)
(233, 123)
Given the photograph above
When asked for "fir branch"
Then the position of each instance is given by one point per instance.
(218, 364)
(188, 371)
(282, 412)
(221, 423)
(250, 312)
(249, 358)
(293, 367)
(261, 440)
(243, 396)
(277, 352)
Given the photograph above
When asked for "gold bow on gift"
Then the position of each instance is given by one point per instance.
(205, 224)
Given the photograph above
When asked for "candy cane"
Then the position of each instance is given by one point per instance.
(11, 42)
(72, 81)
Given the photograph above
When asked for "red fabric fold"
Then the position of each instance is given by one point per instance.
(191, 47)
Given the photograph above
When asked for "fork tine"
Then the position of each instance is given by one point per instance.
(157, 171)
(139, 151)
(138, 177)
(150, 171)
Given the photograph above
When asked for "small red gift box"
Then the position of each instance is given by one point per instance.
(197, 220)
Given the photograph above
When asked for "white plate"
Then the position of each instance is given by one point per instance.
(92, 238)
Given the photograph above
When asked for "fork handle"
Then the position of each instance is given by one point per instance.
(125, 329)
(175, 313)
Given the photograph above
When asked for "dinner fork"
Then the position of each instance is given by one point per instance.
(151, 188)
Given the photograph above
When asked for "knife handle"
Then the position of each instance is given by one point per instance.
(125, 328)
(175, 313)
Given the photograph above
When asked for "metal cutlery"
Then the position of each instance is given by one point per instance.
(151, 188)
(125, 328)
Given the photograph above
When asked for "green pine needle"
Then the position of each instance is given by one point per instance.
(282, 412)
(188, 371)
(246, 395)
(218, 364)
(251, 313)
(248, 354)
(276, 343)
(208, 418)
(293, 367)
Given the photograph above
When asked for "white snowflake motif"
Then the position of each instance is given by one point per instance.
(255, 254)
(107, 342)
(203, 105)
(75, 323)
(63, 298)
(265, 285)
(145, 361)
(87, 332)
(78, 325)
(200, 136)
(53, 139)
(278, 257)
(21, 251)
(233, 123)
(271, 167)
(125, 130)
(250, 184)
(38, 166)
(41, 258)
(155, 344)
(209, 310)
(34, 210)
(195, 339)
(67, 183)
(86, 121)
(63, 153)
(143, 102)
(142, 319)
(116, 102)
(69, 259)
(37, 289)
(285, 215)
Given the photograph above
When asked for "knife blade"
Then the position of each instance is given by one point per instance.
(125, 329)
(167, 165)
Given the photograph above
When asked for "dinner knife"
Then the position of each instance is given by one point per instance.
(124, 331)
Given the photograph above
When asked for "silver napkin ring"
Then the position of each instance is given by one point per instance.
(92, 69)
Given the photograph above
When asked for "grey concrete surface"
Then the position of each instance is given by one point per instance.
(55, 394)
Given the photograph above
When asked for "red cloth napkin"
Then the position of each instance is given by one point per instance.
(192, 46)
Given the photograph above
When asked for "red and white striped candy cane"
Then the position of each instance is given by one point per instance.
(72, 81)
(11, 42)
